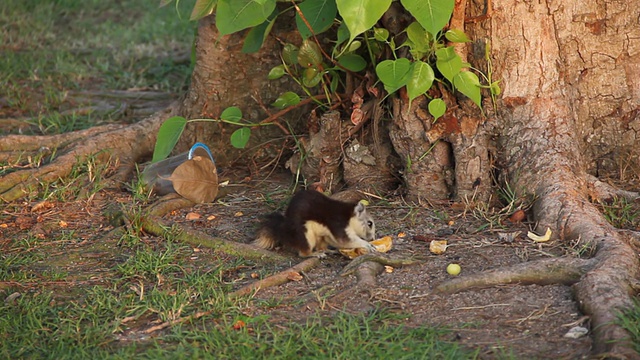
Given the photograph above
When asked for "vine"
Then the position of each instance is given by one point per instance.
(358, 49)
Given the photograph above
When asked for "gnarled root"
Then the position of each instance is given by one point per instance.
(123, 144)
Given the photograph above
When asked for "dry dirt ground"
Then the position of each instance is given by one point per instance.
(512, 320)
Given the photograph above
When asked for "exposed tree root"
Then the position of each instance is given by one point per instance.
(277, 279)
(158, 227)
(377, 258)
(124, 144)
(566, 271)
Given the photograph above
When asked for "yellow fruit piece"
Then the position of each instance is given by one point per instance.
(453, 269)
(538, 238)
(383, 245)
(438, 246)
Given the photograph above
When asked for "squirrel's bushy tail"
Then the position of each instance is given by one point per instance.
(273, 228)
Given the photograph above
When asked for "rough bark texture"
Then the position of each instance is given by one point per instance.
(570, 74)
(225, 76)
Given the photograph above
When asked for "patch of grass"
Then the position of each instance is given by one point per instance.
(341, 336)
(630, 321)
(622, 213)
(52, 48)
(13, 266)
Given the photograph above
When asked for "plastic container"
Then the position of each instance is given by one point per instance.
(155, 176)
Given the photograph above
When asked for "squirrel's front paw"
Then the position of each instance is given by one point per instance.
(371, 248)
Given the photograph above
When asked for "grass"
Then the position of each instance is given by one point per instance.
(630, 320)
(51, 48)
(62, 301)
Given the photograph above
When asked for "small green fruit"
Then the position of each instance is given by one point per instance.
(453, 269)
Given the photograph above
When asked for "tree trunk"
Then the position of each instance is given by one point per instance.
(570, 105)
(569, 112)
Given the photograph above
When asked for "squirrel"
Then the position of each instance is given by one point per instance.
(314, 221)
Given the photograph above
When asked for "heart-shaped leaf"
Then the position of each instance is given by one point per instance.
(235, 15)
(257, 35)
(361, 15)
(437, 108)
(318, 13)
(232, 114)
(448, 62)
(420, 79)
(196, 180)
(468, 83)
(393, 73)
(352, 62)
(433, 15)
(240, 137)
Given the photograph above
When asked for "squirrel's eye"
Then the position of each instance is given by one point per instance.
(370, 223)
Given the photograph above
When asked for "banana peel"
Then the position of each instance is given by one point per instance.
(382, 245)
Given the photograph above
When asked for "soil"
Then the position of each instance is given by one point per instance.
(525, 321)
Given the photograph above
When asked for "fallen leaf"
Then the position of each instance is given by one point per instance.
(438, 246)
(402, 234)
(211, 217)
(538, 238)
(576, 332)
(42, 205)
(238, 214)
(294, 276)
(193, 216)
(63, 224)
(239, 325)
(255, 275)
(196, 180)
(517, 216)
(4, 226)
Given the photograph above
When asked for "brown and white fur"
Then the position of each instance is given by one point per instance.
(313, 221)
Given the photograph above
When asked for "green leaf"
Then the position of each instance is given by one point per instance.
(468, 83)
(236, 15)
(419, 37)
(290, 54)
(276, 72)
(311, 77)
(202, 8)
(240, 137)
(287, 99)
(437, 108)
(393, 73)
(352, 62)
(495, 88)
(343, 34)
(420, 79)
(257, 35)
(231, 114)
(309, 54)
(448, 62)
(361, 15)
(380, 34)
(320, 15)
(168, 136)
(456, 36)
(433, 15)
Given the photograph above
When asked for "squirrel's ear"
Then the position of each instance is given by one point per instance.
(359, 209)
